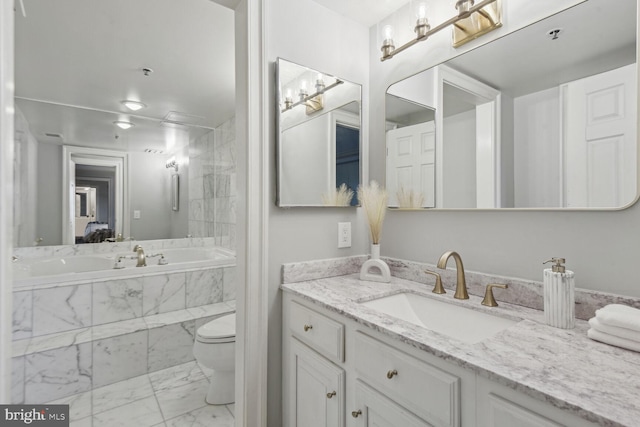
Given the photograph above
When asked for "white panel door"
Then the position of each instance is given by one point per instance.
(600, 139)
(411, 162)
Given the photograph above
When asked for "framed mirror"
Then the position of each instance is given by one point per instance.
(105, 82)
(544, 117)
(319, 138)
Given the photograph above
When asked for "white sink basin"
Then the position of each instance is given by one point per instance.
(461, 323)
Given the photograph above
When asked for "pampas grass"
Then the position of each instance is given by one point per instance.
(409, 198)
(373, 199)
(340, 197)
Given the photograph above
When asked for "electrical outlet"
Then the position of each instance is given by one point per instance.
(136, 214)
(344, 235)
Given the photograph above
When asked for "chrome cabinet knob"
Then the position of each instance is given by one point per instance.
(392, 374)
(307, 328)
(330, 395)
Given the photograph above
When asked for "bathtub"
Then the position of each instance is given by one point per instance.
(55, 271)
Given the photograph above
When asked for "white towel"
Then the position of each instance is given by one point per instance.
(627, 334)
(613, 340)
(619, 315)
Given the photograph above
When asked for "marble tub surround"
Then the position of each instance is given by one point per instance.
(58, 365)
(562, 367)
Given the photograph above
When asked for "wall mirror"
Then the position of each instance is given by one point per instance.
(84, 155)
(545, 117)
(319, 137)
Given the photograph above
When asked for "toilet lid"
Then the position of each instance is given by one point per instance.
(219, 328)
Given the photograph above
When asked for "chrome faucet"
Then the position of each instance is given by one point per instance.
(142, 261)
(461, 283)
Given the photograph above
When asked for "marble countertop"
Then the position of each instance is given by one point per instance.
(595, 381)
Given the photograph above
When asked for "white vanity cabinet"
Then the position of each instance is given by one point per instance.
(338, 373)
(501, 406)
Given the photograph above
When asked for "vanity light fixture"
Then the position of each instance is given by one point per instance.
(123, 125)
(472, 21)
(133, 105)
(313, 102)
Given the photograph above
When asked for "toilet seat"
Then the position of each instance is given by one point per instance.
(219, 330)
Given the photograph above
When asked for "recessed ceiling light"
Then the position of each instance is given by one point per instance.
(133, 105)
(122, 124)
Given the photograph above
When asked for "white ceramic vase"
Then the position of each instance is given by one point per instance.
(375, 269)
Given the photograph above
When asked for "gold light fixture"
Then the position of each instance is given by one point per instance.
(314, 101)
(472, 21)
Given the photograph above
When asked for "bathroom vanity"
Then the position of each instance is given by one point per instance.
(348, 363)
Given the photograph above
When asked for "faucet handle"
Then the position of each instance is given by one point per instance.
(438, 288)
(489, 300)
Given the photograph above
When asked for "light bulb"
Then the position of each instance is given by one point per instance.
(421, 10)
(303, 90)
(387, 32)
(133, 105)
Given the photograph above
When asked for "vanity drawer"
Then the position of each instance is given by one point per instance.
(424, 389)
(321, 333)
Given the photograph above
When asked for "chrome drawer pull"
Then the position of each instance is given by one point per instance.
(392, 374)
(356, 414)
(330, 395)
(307, 327)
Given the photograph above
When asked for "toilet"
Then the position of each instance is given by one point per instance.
(214, 348)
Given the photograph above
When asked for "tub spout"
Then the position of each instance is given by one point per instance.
(142, 261)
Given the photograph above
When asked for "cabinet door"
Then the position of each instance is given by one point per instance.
(317, 389)
(375, 410)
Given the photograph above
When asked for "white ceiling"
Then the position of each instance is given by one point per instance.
(90, 54)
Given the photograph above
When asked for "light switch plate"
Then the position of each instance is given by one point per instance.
(344, 235)
(136, 214)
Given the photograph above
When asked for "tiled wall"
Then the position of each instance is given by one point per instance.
(212, 185)
(70, 339)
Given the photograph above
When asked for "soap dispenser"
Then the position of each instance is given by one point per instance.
(559, 295)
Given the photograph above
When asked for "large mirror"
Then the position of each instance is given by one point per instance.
(116, 117)
(544, 117)
(319, 137)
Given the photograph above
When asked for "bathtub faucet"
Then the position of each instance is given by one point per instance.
(142, 262)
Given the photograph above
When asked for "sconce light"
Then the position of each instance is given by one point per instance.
(472, 21)
(313, 102)
(123, 124)
(171, 163)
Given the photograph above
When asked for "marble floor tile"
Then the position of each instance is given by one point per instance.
(79, 405)
(183, 399)
(210, 415)
(84, 422)
(17, 380)
(176, 376)
(141, 413)
(121, 393)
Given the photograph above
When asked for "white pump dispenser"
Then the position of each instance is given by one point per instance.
(559, 295)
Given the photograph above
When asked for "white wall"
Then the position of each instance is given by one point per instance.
(305, 156)
(337, 46)
(600, 247)
(149, 185)
(537, 149)
(49, 205)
